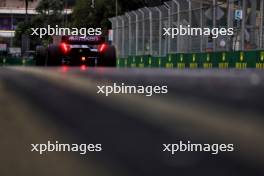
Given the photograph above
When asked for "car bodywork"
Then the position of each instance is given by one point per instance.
(77, 50)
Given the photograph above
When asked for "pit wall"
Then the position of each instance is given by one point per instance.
(222, 60)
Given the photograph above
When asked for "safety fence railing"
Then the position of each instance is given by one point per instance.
(140, 32)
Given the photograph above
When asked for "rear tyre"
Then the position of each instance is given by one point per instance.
(40, 56)
(53, 56)
(108, 58)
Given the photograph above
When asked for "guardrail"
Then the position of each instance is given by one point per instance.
(12, 61)
(223, 60)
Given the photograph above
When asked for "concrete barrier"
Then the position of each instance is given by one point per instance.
(222, 60)
(14, 61)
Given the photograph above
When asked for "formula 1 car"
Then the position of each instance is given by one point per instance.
(77, 50)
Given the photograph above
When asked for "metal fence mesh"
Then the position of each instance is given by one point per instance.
(140, 32)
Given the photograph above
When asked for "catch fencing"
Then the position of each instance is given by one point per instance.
(140, 32)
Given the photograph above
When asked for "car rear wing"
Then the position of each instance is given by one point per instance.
(88, 40)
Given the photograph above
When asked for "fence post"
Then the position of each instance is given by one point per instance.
(117, 35)
(214, 22)
(190, 22)
(261, 24)
(143, 31)
(160, 29)
(230, 22)
(170, 25)
(201, 25)
(178, 23)
(129, 34)
(244, 7)
(136, 15)
(253, 23)
(123, 36)
(151, 31)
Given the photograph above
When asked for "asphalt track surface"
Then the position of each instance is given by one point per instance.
(202, 106)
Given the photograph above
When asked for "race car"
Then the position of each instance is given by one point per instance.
(77, 50)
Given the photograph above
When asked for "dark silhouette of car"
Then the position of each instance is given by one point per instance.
(77, 50)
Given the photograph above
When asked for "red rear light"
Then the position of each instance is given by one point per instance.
(65, 48)
(102, 48)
